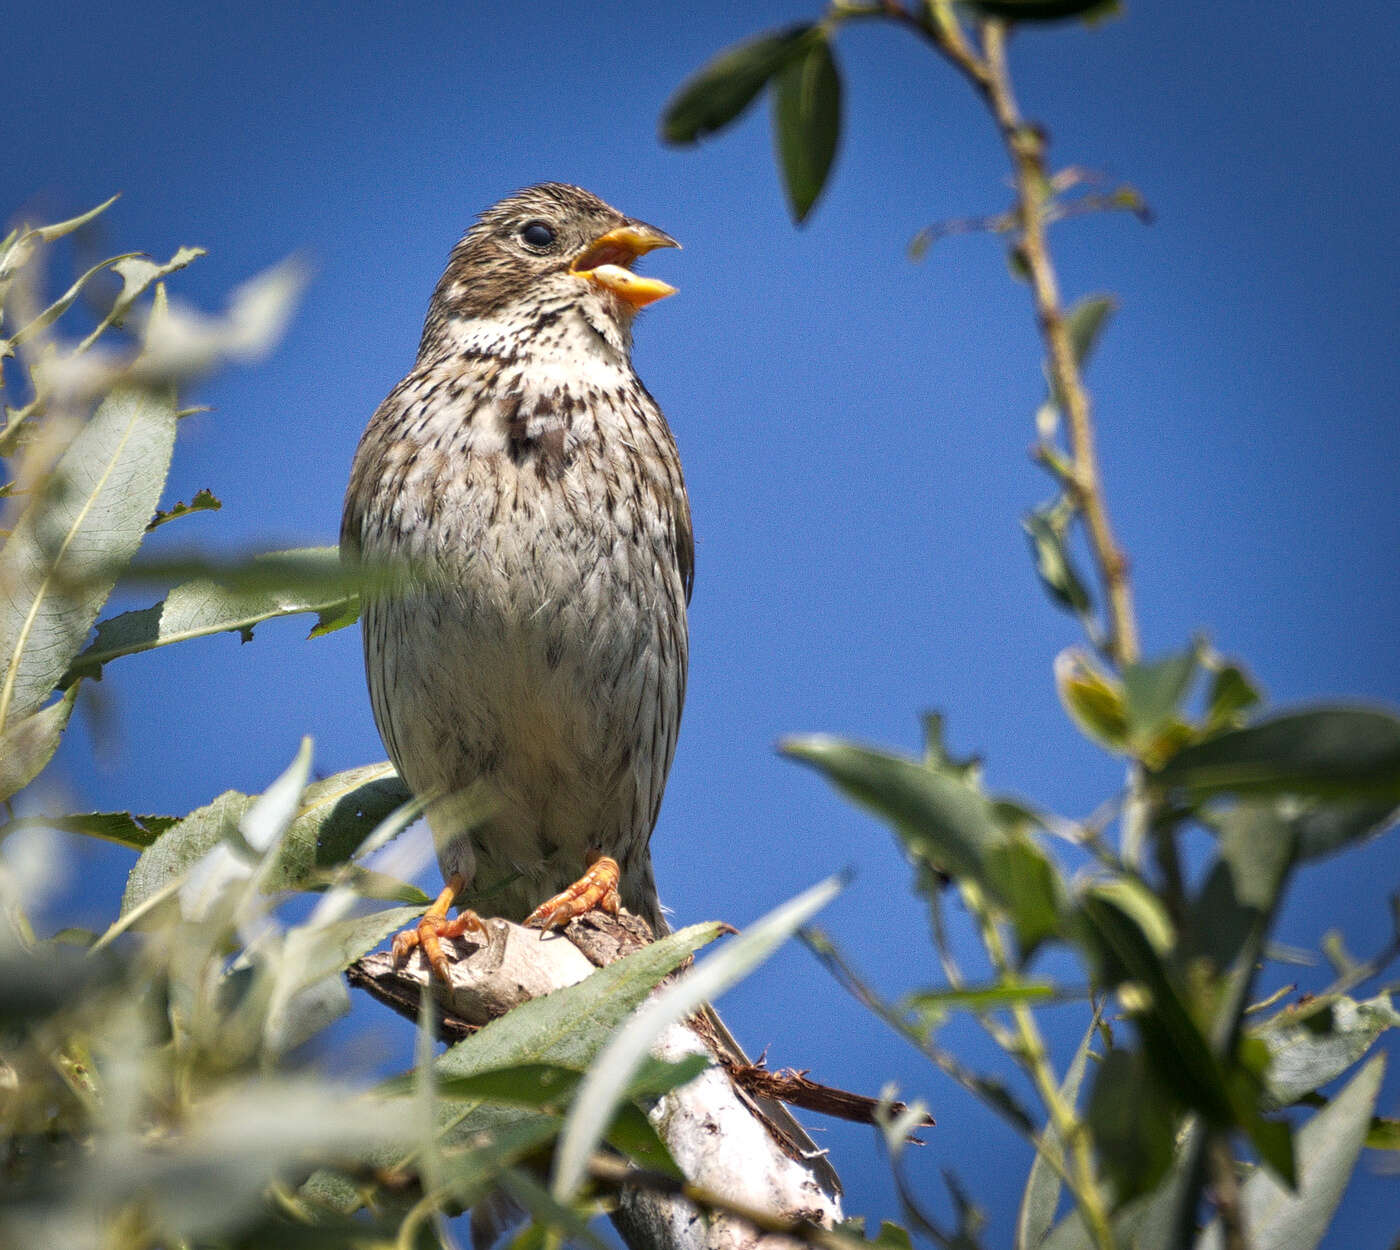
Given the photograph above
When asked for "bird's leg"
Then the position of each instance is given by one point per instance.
(434, 926)
(596, 889)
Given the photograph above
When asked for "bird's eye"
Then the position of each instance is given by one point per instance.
(537, 234)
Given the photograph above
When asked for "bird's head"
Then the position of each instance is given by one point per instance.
(541, 254)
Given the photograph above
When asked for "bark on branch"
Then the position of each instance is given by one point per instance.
(728, 1141)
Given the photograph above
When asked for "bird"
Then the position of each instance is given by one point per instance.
(528, 677)
(527, 674)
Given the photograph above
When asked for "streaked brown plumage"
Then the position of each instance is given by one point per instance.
(523, 467)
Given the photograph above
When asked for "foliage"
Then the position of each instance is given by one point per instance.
(170, 1080)
(1156, 1130)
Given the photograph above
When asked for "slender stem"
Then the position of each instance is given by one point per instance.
(1026, 146)
(619, 1174)
(1225, 1189)
(1034, 1059)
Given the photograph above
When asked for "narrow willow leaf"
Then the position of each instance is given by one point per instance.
(202, 501)
(1133, 1117)
(807, 122)
(1384, 1133)
(312, 953)
(1053, 562)
(1085, 323)
(1175, 1046)
(978, 997)
(65, 301)
(333, 817)
(1041, 1197)
(59, 229)
(1232, 693)
(1046, 10)
(1087, 320)
(555, 1222)
(1327, 752)
(615, 1067)
(943, 820)
(1307, 1050)
(723, 88)
(1093, 699)
(123, 828)
(1327, 1150)
(1023, 879)
(298, 581)
(138, 273)
(62, 559)
(1153, 691)
(26, 746)
(551, 1086)
(569, 1026)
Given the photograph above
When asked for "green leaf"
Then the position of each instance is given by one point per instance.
(60, 562)
(1046, 528)
(568, 1224)
(1133, 1116)
(1045, 10)
(333, 817)
(65, 301)
(1125, 952)
(1258, 846)
(1322, 826)
(26, 746)
(943, 820)
(807, 122)
(1086, 322)
(1041, 1198)
(472, 1168)
(1232, 693)
(550, 1088)
(1153, 692)
(137, 832)
(1093, 699)
(615, 1067)
(1384, 1133)
(62, 228)
(723, 88)
(1022, 877)
(1327, 752)
(138, 274)
(938, 1003)
(1327, 1150)
(306, 580)
(312, 953)
(201, 501)
(570, 1026)
(1310, 1047)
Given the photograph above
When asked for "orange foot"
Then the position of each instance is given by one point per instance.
(434, 926)
(597, 888)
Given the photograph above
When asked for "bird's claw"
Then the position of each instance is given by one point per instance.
(434, 927)
(596, 890)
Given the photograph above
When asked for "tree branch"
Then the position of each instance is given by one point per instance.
(727, 1140)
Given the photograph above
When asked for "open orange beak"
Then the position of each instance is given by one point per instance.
(608, 258)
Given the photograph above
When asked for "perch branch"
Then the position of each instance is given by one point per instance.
(728, 1139)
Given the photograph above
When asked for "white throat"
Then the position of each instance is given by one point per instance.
(577, 343)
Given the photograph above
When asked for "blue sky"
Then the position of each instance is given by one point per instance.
(853, 426)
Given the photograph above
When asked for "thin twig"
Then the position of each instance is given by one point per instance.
(1034, 1059)
(1025, 144)
(1225, 1190)
(618, 1174)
